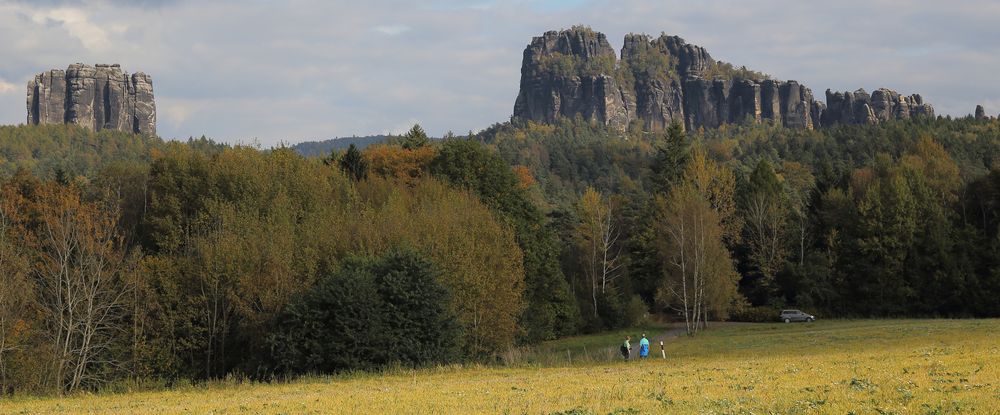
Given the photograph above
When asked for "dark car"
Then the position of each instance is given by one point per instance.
(789, 316)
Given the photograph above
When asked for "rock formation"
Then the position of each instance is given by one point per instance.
(980, 112)
(658, 81)
(562, 76)
(859, 107)
(96, 97)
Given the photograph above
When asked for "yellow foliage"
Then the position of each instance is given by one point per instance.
(480, 258)
(932, 160)
(395, 162)
(717, 184)
(524, 177)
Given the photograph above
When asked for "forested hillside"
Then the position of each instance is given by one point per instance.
(324, 147)
(897, 219)
(126, 259)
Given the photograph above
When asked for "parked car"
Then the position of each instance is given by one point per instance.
(789, 316)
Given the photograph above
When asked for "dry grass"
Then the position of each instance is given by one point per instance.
(889, 366)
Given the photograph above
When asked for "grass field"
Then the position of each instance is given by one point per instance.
(842, 367)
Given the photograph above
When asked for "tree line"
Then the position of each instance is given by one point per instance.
(738, 222)
(201, 264)
(154, 261)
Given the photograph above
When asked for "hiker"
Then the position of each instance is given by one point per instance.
(643, 347)
(626, 348)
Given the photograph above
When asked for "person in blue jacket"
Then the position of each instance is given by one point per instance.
(643, 347)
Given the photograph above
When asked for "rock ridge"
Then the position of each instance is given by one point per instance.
(662, 80)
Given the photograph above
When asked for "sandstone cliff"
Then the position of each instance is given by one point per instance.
(571, 73)
(96, 97)
(859, 107)
(661, 80)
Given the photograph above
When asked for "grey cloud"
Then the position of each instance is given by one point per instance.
(116, 3)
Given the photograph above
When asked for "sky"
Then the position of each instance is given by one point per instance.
(270, 72)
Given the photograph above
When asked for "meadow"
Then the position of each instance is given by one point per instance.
(860, 367)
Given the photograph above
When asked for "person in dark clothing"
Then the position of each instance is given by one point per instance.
(626, 348)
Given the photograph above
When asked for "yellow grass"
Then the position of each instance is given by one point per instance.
(888, 366)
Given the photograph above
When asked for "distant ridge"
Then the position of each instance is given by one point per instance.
(322, 148)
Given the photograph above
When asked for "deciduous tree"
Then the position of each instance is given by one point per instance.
(598, 238)
(82, 274)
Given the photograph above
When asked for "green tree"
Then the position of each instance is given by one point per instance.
(336, 325)
(354, 164)
(480, 260)
(800, 184)
(885, 229)
(672, 156)
(370, 313)
(415, 138)
(700, 274)
(551, 311)
(765, 208)
(691, 228)
(597, 235)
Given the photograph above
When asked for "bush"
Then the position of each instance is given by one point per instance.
(371, 313)
(636, 312)
(754, 314)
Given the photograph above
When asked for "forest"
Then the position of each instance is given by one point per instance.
(132, 260)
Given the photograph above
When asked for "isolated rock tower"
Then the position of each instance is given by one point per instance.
(100, 97)
(980, 112)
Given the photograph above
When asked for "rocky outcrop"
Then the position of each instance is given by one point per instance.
(745, 102)
(883, 105)
(658, 103)
(770, 108)
(570, 73)
(796, 105)
(980, 112)
(100, 97)
(817, 112)
(662, 80)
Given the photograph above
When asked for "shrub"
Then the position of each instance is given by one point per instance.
(754, 314)
(636, 312)
(371, 313)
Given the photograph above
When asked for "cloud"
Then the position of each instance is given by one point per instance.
(77, 22)
(392, 30)
(175, 112)
(401, 127)
(238, 70)
(7, 87)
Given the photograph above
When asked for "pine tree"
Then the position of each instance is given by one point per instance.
(354, 164)
(672, 156)
(415, 138)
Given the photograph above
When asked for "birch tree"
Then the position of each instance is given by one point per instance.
(801, 183)
(700, 277)
(598, 235)
(766, 216)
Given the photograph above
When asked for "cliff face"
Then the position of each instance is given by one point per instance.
(96, 97)
(570, 73)
(658, 81)
(882, 105)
